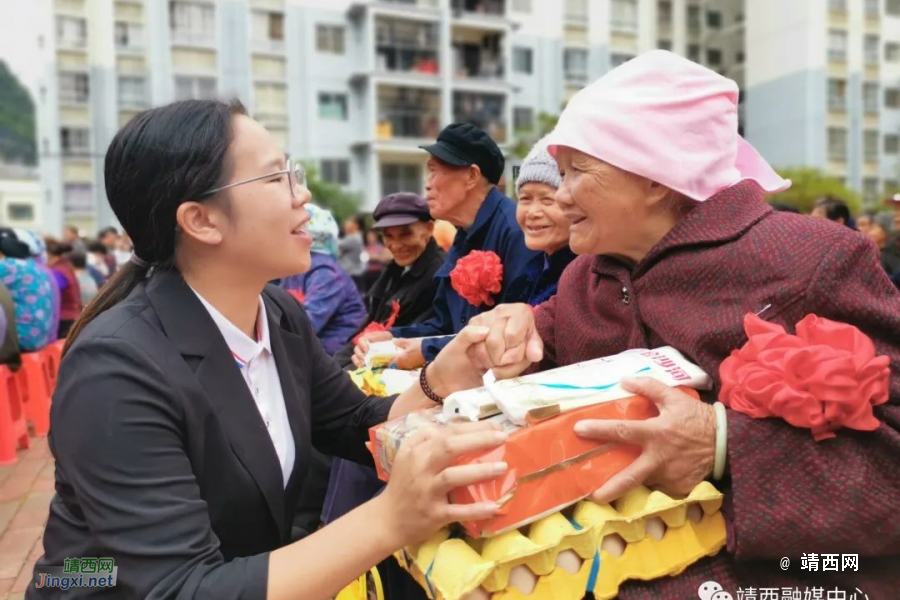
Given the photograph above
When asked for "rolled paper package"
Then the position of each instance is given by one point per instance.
(382, 354)
(595, 381)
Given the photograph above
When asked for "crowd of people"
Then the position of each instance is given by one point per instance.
(45, 283)
(204, 390)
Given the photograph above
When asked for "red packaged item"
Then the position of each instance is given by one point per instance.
(550, 467)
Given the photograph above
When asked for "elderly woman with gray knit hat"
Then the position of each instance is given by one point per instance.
(546, 229)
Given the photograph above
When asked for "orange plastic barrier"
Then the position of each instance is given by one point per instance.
(13, 424)
(550, 467)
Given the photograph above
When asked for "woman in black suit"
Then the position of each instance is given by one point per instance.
(191, 393)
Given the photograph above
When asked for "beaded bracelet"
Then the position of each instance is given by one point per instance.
(423, 383)
(721, 441)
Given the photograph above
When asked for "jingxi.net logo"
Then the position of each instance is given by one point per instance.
(713, 591)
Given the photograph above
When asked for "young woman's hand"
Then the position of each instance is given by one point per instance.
(362, 346)
(415, 503)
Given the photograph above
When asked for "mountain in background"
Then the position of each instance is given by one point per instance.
(17, 126)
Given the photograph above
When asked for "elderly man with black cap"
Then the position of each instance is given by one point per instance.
(404, 292)
(463, 171)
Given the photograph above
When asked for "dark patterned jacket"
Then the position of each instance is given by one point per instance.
(785, 494)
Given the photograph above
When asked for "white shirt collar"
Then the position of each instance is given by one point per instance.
(242, 347)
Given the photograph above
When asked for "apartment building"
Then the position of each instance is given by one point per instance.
(823, 88)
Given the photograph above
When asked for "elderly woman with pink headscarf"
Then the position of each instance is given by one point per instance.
(677, 244)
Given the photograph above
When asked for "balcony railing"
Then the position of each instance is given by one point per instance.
(408, 123)
(480, 7)
(70, 43)
(485, 66)
(268, 45)
(193, 37)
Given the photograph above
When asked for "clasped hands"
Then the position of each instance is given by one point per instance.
(678, 445)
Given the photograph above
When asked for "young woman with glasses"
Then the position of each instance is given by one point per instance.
(191, 392)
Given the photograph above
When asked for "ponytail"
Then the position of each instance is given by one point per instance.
(160, 159)
(114, 291)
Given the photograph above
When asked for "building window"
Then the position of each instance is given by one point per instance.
(713, 57)
(336, 171)
(400, 178)
(892, 97)
(837, 144)
(523, 118)
(871, 189)
(200, 88)
(333, 107)
(129, 36)
(694, 19)
(522, 6)
(71, 32)
(837, 94)
(74, 88)
(837, 45)
(268, 31)
(191, 22)
(892, 52)
(330, 39)
(664, 45)
(892, 143)
(575, 65)
(78, 198)
(619, 58)
(20, 212)
(74, 141)
(872, 51)
(870, 145)
(871, 97)
(132, 92)
(624, 15)
(873, 8)
(839, 6)
(523, 60)
(713, 19)
(893, 7)
(577, 11)
(693, 52)
(664, 13)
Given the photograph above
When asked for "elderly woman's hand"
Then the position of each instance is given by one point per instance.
(412, 357)
(679, 445)
(512, 344)
(362, 346)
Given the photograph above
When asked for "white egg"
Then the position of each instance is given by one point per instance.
(655, 528)
(614, 544)
(523, 579)
(569, 560)
(478, 593)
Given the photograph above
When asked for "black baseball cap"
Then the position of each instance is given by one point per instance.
(402, 208)
(464, 144)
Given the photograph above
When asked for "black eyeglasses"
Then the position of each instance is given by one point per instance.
(296, 179)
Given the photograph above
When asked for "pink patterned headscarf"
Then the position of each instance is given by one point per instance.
(668, 119)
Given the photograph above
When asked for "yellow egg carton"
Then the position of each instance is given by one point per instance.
(643, 535)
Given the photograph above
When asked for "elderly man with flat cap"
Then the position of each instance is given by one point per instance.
(463, 171)
(404, 292)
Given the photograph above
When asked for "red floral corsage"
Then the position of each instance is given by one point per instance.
(477, 277)
(825, 377)
(376, 326)
(298, 295)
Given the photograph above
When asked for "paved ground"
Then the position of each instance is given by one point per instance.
(25, 492)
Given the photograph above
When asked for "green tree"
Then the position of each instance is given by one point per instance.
(526, 138)
(341, 203)
(17, 127)
(808, 185)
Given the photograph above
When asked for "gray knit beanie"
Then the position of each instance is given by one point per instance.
(538, 167)
(885, 220)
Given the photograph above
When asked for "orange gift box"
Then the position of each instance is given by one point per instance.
(550, 467)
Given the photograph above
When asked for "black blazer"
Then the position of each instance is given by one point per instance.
(163, 460)
(414, 290)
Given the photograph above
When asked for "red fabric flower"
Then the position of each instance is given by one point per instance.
(298, 295)
(376, 326)
(824, 378)
(477, 277)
